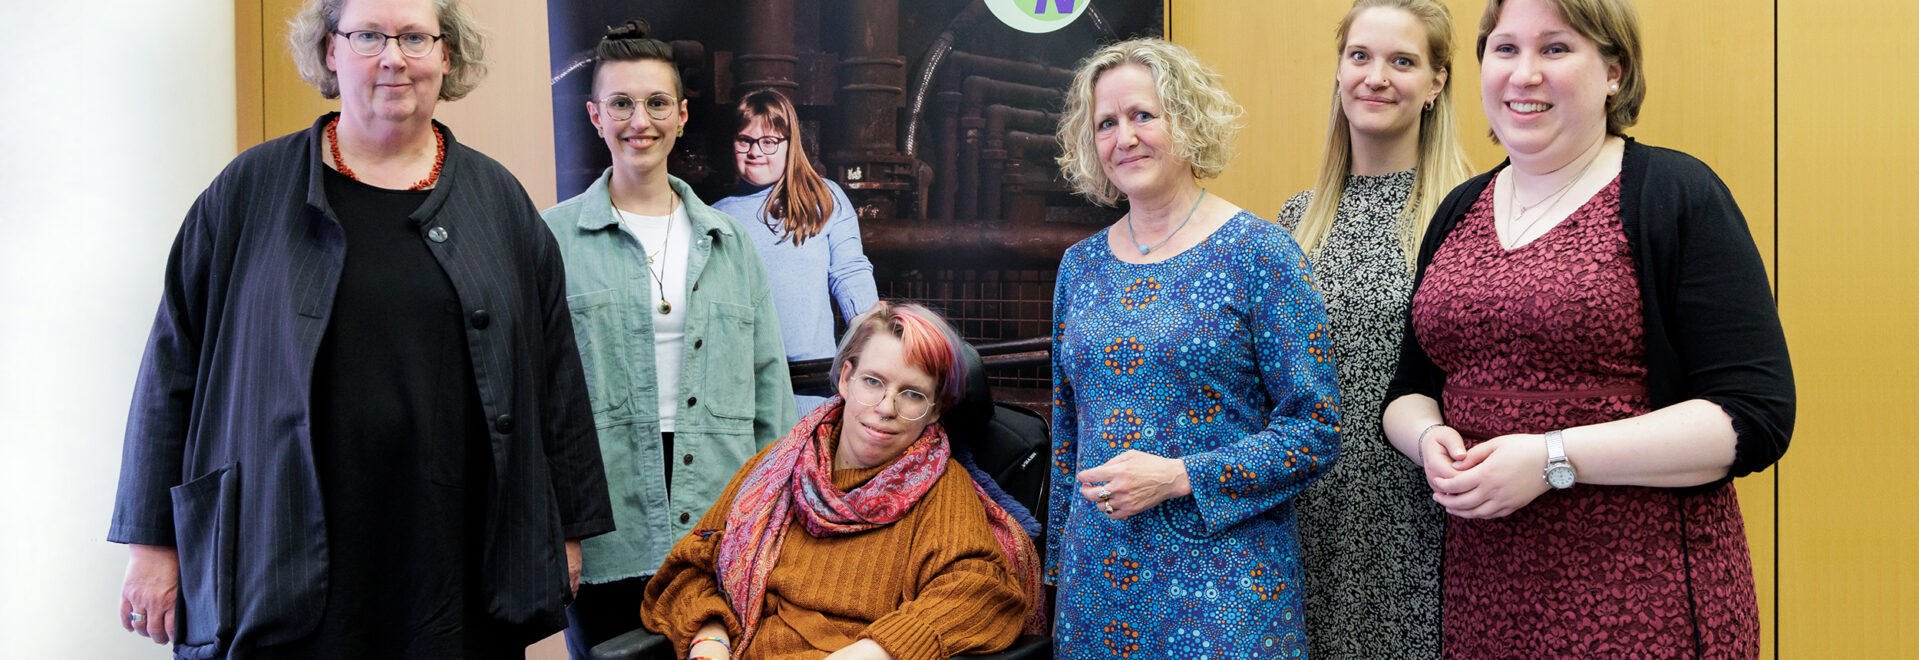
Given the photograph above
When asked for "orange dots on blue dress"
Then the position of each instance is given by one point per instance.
(1121, 638)
(1187, 357)
(1140, 293)
(1124, 356)
(1122, 573)
(1121, 439)
(1206, 413)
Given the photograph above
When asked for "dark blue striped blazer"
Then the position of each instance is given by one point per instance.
(218, 457)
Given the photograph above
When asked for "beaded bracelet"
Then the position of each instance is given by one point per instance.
(708, 638)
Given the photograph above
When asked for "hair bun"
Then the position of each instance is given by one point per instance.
(633, 28)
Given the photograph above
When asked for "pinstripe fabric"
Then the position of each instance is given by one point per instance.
(218, 457)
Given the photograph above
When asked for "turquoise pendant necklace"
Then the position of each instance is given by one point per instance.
(1143, 249)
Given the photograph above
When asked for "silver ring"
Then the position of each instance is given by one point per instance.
(1109, 507)
(1105, 494)
(136, 617)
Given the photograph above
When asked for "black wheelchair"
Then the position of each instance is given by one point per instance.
(1010, 443)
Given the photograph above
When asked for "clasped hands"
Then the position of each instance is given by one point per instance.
(1133, 482)
(1491, 480)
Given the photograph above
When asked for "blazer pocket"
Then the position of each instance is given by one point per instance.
(601, 338)
(206, 522)
(728, 360)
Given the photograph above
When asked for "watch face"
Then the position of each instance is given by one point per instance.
(1560, 476)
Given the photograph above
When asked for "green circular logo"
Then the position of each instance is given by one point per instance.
(1037, 16)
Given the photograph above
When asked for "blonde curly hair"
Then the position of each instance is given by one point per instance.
(309, 30)
(1201, 118)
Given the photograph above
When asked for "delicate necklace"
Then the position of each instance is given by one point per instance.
(1519, 212)
(439, 156)
(659, 276)
(1143, 249)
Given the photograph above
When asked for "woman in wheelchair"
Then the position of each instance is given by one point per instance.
(856, 535)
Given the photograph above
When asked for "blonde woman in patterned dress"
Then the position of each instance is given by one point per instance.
(1369, 531)
(1193, 382)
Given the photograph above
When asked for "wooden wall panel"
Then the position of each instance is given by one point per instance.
(289, 103)
(248, 74)
(1848, 523)
(1710, 70)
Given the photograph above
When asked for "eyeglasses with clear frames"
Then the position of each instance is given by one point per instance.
(620, 106)
(908, 404)
(767, 144)
(370, 43)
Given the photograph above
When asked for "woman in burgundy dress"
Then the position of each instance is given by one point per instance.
(1593, 353)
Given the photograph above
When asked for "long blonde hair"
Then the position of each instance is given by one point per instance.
(1442, 162)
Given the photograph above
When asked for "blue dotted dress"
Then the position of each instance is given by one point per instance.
(1219, 356)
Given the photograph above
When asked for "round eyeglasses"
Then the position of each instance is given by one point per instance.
(370, 43)
(910, 405)
(620, 106)
(767, 144)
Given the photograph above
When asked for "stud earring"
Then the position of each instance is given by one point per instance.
(600, 131)
(1429, 106)
(681, 132)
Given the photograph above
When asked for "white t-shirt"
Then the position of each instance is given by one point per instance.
(665, 240)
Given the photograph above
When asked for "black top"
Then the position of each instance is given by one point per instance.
(1712, 328)
(399, 442)
(219, 460)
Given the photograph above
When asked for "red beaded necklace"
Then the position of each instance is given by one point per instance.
(439, 156)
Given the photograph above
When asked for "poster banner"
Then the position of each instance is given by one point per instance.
(936, 117)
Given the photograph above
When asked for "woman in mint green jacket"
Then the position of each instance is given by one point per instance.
(675, 325)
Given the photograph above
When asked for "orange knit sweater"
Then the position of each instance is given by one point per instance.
(932, 585)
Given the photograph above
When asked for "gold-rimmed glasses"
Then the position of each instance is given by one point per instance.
(620, 106)
(909, 404)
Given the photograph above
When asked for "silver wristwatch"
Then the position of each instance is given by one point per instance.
(1559, 471)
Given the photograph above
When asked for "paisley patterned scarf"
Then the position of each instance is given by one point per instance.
(794, 481)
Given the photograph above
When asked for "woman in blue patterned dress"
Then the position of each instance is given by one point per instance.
(1194, 391)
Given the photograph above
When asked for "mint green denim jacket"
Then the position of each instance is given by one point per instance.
(733, 384)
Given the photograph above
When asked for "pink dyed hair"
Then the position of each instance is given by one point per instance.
(928, 340)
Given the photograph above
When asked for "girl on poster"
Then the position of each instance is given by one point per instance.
(804, 228)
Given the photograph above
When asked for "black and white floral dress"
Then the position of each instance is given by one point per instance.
(1369, 530)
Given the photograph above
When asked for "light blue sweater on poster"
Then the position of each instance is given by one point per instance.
(811, 278)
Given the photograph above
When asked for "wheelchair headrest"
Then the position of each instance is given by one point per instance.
(967, 420)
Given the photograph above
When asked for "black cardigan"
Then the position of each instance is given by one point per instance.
(1712, 328)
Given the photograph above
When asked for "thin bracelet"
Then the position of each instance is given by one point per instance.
(1419, 443)
(709, 638)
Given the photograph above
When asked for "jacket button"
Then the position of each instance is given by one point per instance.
(503, 423)
(684, 517)
(691, 400)
(697, 343)
(436, 234)
(481, 319)
(687, 459)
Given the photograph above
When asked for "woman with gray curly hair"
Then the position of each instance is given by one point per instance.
(361, 427)
(1194, 393)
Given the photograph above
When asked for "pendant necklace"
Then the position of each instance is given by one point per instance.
(1143, 249)
(659, 276)
(1548, 203)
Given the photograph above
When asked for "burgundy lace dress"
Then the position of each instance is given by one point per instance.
(1549, 336)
